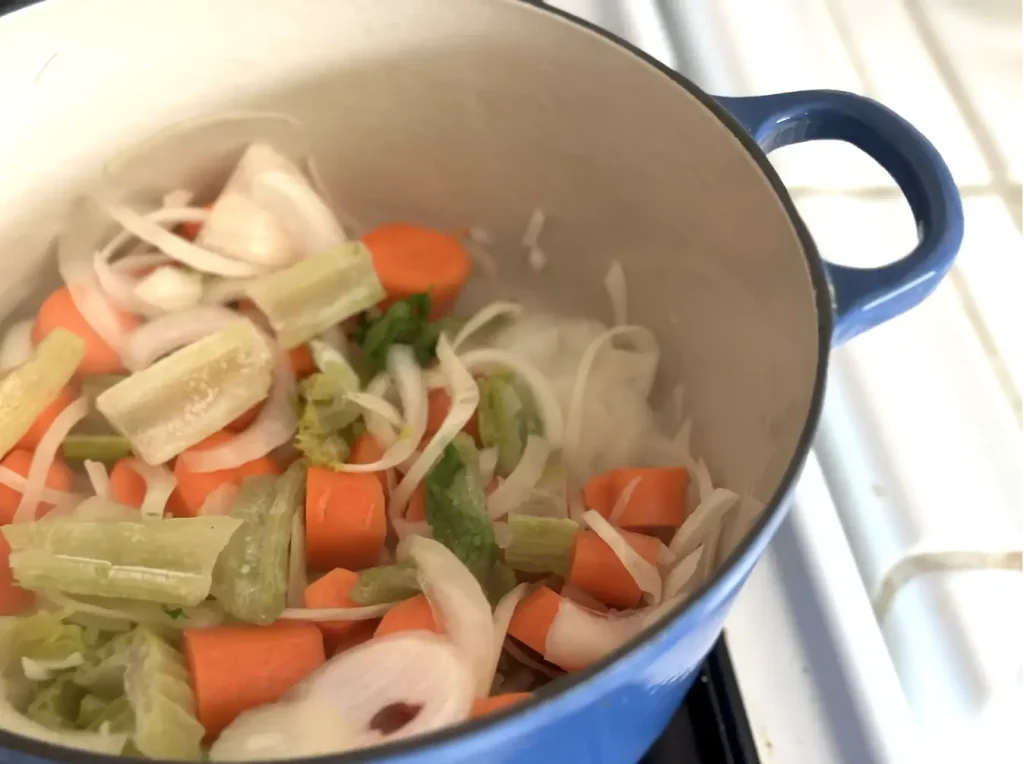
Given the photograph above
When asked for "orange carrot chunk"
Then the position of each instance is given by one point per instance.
(127, 486)
(39, 427)
(485, 706)
(532, 618)
(58, 310)
(438, 405)
(301, 361)
(413, 614)
(411, 259)
(13, 599)
(595, 569)
(416, 512)
(194, 487)
(60, 478)
(345, 521)
(242, 422)
(657, 501)
(235, 668)
(366, 450)
(331, 591)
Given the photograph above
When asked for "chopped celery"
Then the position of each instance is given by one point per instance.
(316, 293)
(55, 703)
(45, 637)
(166, 561)
(103, 672)
(332, 361)
(540, 544)
(251, 577)
(77, 447)
(14, 722)
(94, 712)
(406, 323)
(192, 393)
(156, 684)
(34, 385)
(507, 416)
(456, 507)
(325, 412)
(387, 583)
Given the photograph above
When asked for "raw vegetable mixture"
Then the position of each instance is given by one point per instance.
(264, 495)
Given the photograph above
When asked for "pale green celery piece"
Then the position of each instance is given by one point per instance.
(34, 385)
(55, 704)
(540, 544)
(102, 673)
(192, 393)
(386, 583)
(332, 361)
(316, 293)
(99, 509)
(156, 684)
(77, 447)
(94, 712)
(251, 577)
(45, 637)
(166, 561)
(507, 416)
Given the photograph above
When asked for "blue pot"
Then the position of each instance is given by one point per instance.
(473, 111)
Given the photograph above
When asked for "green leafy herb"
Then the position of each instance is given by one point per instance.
(405, 323)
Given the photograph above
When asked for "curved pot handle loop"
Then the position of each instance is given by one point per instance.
(865, 297)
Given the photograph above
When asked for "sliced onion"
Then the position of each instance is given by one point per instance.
(502, 617)
(465, 396)
(623, 501)
(179, 197)
(584, 598)
(502, 534)
(579, 637)
(168, 333)
(537, 259)
(98, 478)
(364, 613)
(488, 461)
(518, 486)
(171, 244)
(548, 407)
(703, 478)
(219, 501)
(43, 458)
(533, 228)
(297, 578)
(160, 484)
(242, 229)
(17, 345)
(169, 288)
(375, 404)
(293, 202)
(224, 291)
(484, 316)
(678, 580)
(140, 261)
(457, 597)
(710, 511)
(644, 573)
(16, 482)
(615, 283)
(376, 425)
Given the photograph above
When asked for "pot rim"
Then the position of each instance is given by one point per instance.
(712, 595)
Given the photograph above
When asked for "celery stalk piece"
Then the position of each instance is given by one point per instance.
(34, 385)
(316, 293)
(251, 577)
(333, 362)
(192, 393)
(540, 544)
(17, 723)
(94, 712)
(386, 583)
(507, 417)
(156, 684)
(44, 637)
(166, 561)
(77, 447)
(55, 703)
(103, 671)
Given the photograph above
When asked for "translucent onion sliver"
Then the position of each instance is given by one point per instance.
(160, 484)
(98, 478)
(518, 486)
(44, 455)
(644, 573)
(364, 613)
(710, 511)
(484, 316)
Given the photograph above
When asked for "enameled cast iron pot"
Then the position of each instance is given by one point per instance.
(460, 112)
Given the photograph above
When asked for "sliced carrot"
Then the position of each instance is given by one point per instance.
(39, 427)
(658, 500)
(485, 706)
(243, 420)
(301, 361)
(413, 614)
(58, 310)
(194, 487)
(345, 521)
(532, 618)
(235, 668)
(330, 591)
(438, 405)
(127, 486)
(366, 450)
(595, 569)
(13, 599)
(411, 259)
(60, 478)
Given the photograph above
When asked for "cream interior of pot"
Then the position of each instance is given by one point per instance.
(467, 112)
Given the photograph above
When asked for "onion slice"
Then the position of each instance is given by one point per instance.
(160, 484)
(220, 500)
(460, 602)
(533, 228)
(703, 477)
(364, 613)
(168, 333)
(375, 404)
(615, 283)
(488, 461)
(623, 501)
(44, 455)
(644, 573)
(304, 215)
(484, 316)
(16, 482)
(678, 579)
(710, 511)
(98, 478)
(17, 345)
(518, 486)
(502, 618)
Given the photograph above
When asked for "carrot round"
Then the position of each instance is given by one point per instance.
(366, 450)
(413, 614)
(58, 310)
(657, 501)
(532, 618)
(127, 486)
(194, 487)
(411, 259)
(596, 569)
(39, 427)
(485, 706)
(301, 361)
(13, 599)
(235, 668)
(60, 478)
(345, 521)
(438, 405)
(331, 591)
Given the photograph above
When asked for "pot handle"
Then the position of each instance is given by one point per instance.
(865, 297)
